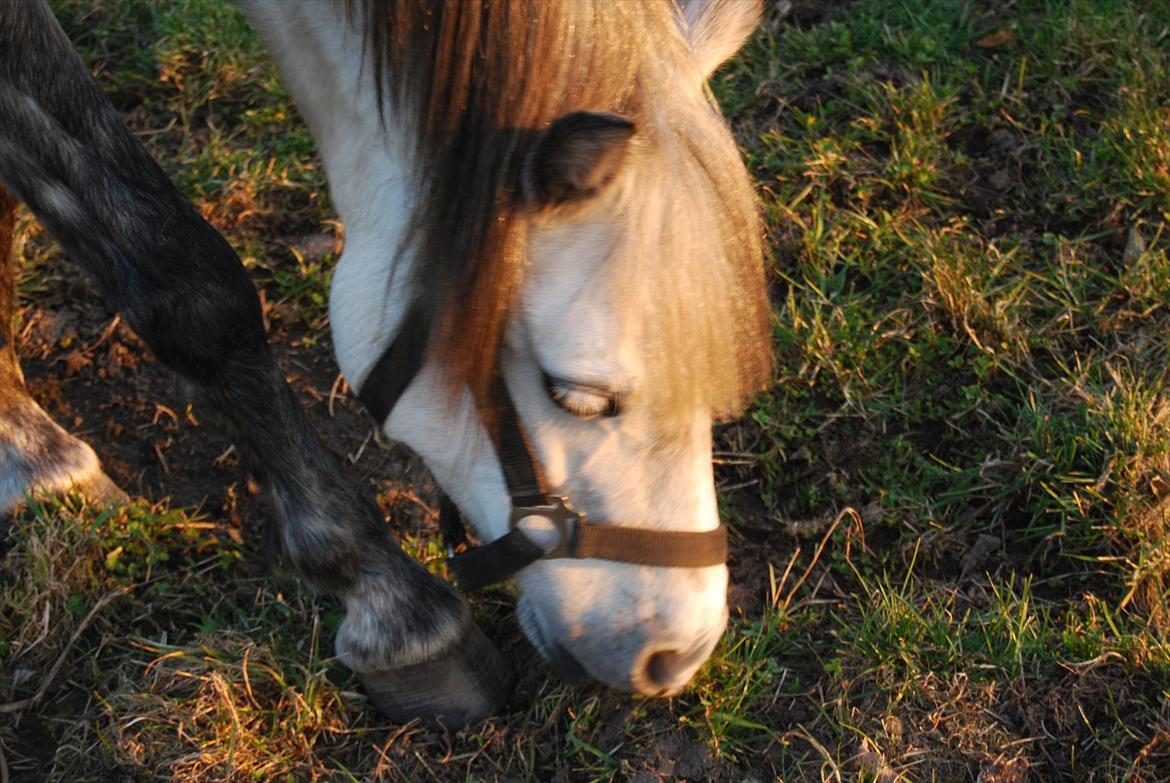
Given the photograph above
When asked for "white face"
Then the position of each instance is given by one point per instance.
(645, 628)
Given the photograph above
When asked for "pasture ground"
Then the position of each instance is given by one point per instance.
(951, 552)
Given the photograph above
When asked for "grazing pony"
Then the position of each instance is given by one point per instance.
(552, 282)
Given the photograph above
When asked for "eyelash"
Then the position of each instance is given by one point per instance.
(562, 394)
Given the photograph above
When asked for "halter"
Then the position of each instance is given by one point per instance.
(477, 567)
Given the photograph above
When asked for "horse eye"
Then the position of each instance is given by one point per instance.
(585, 402)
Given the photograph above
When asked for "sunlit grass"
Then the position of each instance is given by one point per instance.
(969, 218)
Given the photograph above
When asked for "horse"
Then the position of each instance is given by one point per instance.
(552, 285)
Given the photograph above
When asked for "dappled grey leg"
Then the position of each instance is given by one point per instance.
(36, 454)
(65, 152)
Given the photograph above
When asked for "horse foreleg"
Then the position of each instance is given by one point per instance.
(65, 152)
(36, 454)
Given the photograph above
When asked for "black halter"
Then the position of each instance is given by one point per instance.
(477, 567)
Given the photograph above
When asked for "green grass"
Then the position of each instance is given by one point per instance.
(968, 210)
(968, 205)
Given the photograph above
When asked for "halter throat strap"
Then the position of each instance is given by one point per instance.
(387, 380)
(479, 567)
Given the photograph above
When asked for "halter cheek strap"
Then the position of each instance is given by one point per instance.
(478, 567)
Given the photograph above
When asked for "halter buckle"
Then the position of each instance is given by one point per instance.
(564, 518)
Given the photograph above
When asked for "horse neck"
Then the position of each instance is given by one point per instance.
(319, 57)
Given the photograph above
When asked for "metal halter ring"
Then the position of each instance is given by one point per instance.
(564, 519)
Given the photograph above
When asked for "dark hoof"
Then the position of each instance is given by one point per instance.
(467, 685)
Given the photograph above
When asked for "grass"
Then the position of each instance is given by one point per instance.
(953, 549)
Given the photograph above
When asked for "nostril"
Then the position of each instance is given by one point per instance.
(662, 669)
(667, 671)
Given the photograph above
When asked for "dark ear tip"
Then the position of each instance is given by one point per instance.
(576, 156)
(611, 127)
(592, 121)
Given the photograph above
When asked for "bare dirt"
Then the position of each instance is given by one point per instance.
(155, 434)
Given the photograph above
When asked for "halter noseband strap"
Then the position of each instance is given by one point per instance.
(478, 567)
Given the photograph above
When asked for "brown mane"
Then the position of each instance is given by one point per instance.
(480, 80)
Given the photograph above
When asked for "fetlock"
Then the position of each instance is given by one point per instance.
(392, 623)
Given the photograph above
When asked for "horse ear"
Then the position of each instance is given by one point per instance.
(717, 29)
(575, 157)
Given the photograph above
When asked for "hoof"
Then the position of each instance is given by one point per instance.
(465, 686)
(39, 459)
